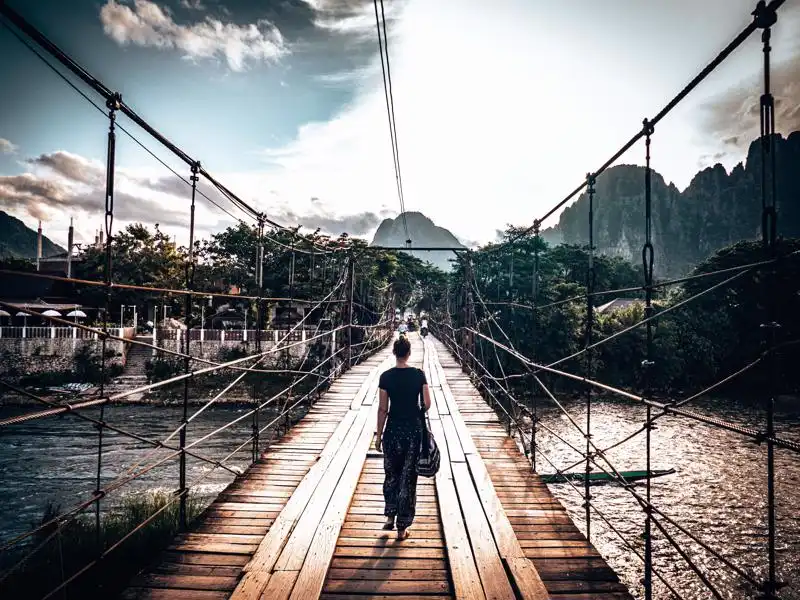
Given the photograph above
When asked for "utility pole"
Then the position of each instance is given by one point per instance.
(350, 288)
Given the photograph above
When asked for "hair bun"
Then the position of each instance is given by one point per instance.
(402, 347)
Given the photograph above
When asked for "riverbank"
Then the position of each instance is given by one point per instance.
(77, 544)
(232, 398)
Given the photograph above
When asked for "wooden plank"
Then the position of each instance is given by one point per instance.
(433, 411)
(487, 557)
(438, 399)
(545, 555)
(389, 564)
(187, 582)
(279, 585)
(312, 574)
(297, 546)
(165, 594)
(396, 574)
(323, 473)
(466, 580)
(491, 535)
(386, 586)
(454, 448)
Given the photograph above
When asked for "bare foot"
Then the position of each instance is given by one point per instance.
(402, 534)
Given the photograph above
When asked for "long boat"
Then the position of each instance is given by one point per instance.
(601, 477)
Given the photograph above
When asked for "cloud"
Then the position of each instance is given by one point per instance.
(70, 166)
(344, 78)
(733, 117)
(61, 185)
(7, 147)
(147, 24)
(193, 5)
(44, 198)
(32, 194)
(350, 17)
(359, 224)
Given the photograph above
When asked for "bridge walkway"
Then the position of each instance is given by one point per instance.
(305, 521)
(569, 566)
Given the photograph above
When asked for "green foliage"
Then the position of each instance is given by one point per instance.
(161, 369)
(138, 257)
(76, 545)
(694, 345)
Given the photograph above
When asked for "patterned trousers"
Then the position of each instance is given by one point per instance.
(400, 450)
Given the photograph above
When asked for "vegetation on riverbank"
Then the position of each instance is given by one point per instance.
(76, 545)
(697, 339)
(86, 368)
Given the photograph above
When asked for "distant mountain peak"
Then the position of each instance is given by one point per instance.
(17, 240)
(423, 233)
(718, 208)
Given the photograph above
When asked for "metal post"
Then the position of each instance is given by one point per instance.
(587, 495)
(113, 105)
(260, 308)
(647, 364)
(351, 271)
(764, 19)
(535, 285)
(187, 361)
(287, 356)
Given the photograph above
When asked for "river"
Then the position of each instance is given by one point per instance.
(54, 460)
(718, 491)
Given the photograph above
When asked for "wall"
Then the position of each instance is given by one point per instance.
(31, 355)
(38, 355)
(218, 351)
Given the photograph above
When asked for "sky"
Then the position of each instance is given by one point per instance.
(501, 108)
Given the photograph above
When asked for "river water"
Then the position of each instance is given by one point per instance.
(54, 460)
(717, 493)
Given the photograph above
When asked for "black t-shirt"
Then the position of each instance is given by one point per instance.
(404, 386)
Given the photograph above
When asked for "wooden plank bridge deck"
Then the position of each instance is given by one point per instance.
(305, 520)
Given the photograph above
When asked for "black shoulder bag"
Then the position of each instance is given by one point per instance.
(429, 458)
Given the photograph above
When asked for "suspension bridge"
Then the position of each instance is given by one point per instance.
(303, 520)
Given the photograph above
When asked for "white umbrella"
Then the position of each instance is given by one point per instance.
(4, 313)
(25, 316)
(51, 313)
(78, 314)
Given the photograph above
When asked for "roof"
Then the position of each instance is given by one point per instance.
(40, 305)
(617, 304)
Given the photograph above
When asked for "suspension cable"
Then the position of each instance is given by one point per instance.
(383, 44)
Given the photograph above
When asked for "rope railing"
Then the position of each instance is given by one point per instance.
(460, 338)
(764, 16)
(592, 457)
(62, 519)
(339, 349)
(145, 288)
(560, 471)
(640, 288)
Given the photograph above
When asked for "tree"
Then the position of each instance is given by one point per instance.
(138, 257)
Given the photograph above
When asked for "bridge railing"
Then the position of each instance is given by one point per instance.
(477, 332)
(76, 333)
(235, 335)
(353, 323)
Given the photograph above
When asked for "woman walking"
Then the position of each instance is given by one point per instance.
(400, 390)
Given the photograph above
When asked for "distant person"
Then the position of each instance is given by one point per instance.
(401, 389)
(423, 328)
(403, 329)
